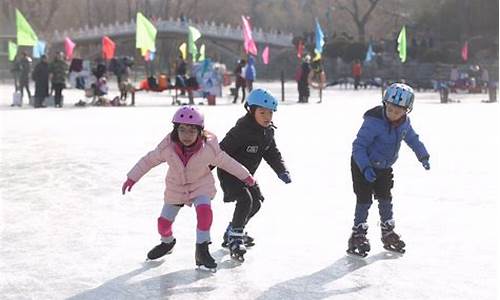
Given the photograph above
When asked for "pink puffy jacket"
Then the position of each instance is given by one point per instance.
(184, 183)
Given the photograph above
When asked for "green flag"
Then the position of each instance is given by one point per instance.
(202, 53)
(12, 51)
(145, 33)
(193, 35)
(25, 34)
(402, 44)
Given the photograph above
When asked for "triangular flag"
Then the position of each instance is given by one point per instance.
(69, 45)
(265, 55)
(12, 50)
(369, 53)
(320, 39)
(300, 49)
(465, 51)
(145, 33)
(182, 49)
(202, 53)
(193, 35)
(402, 44)
(39, 49)
(25, 34)
(249, 43)
(317, 56)
(108, 48)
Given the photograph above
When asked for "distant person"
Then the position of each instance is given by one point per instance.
(317, 77)
(190, 151)
(374, 151)
(356, 73)
(239, 81)
(250, 73)
(304, 79)
(181, 75)
(14, 70)
(454, 75)
(24, 75)
(41, 77)
(58, 70)
(249, 141)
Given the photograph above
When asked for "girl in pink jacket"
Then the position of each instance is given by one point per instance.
(189, 151)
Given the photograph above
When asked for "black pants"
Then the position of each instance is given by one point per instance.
(365, 190)
(236, 92)
(24, 85)
(58, 87)
(303, 88)
(248, 204)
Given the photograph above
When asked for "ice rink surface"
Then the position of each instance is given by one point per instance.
(68, 233)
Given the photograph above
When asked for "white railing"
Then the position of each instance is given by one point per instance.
(208, 29)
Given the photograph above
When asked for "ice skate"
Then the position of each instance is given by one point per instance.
(236, 246)
(204, 260)
(391, 240)
(248, 241)
(358, 244)
(161, 250)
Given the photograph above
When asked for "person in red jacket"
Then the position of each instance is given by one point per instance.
(356, 73)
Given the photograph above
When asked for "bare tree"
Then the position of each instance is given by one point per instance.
(359, 18)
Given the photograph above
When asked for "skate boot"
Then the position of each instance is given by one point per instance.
(358, 244)
(248, 241)
(236, 246)
(203, 258)
(391, 240)
(161, 250)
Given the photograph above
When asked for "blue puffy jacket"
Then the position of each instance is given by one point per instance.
(377, 142)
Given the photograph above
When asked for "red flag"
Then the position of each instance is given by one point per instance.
(465, 51)
(249, 43)
(69, 45)
(265, 55)
(108, 48)
(300, 49)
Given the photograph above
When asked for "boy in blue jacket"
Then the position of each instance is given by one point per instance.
(374, 151)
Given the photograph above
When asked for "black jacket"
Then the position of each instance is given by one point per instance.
(248, 142)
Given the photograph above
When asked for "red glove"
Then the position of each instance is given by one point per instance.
(250, 181)
(127, 184)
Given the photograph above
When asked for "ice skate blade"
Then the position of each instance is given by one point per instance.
(238, 258)
(394, 250)
(206, 269)
(356, 254)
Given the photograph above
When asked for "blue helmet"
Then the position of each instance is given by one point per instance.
(400, 94)
(262, 98)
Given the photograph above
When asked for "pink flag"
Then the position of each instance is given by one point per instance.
(249, 43)
(108, 48)
(69, 46)
(300, 49)
(265, 55)
(465, 51)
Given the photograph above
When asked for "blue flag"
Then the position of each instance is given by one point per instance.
(369, 53)
(320, 42)
(39, 49)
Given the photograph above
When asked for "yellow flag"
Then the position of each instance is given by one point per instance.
(183, 49)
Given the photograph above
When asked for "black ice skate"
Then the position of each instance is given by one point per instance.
(391, 240)
(203, 258)
(236, 245)
(161, 250)
(248, 241)
(358, 244)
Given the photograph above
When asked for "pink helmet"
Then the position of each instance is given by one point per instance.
(189, 115)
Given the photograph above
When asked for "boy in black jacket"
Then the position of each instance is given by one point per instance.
(250, 140)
